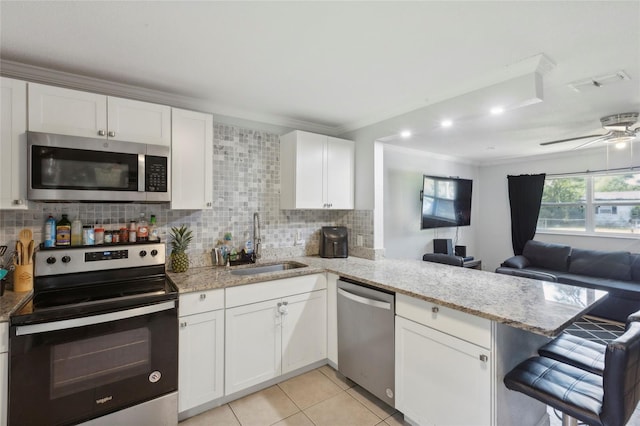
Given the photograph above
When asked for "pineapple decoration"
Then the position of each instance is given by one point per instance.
(181, 236)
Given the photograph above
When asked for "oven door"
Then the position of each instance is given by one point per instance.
(68, 371)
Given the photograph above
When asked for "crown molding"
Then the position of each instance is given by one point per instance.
(272, 123)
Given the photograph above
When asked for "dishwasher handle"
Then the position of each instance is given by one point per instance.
(364, 300)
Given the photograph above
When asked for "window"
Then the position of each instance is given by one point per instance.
(600, 204)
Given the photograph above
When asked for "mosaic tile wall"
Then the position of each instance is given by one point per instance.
(246, 179)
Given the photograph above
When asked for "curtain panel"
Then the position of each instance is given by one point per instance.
(525, 196)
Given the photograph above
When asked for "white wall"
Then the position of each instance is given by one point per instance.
(403, 171)
(494, 222)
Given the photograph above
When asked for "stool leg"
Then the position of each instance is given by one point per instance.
(567, 420)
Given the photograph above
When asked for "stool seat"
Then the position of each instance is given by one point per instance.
(576, 351)
(571, 390)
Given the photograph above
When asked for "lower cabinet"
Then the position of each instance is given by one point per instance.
(268, 338)
(444, 365)
(440, 379)
(4, 371)
(201, 350)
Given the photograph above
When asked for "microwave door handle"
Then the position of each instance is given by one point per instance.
(141, 172)
(44, 327)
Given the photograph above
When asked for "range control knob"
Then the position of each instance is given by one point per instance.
(143, 253)
(154, 252)
(51, 260)
(66, 259)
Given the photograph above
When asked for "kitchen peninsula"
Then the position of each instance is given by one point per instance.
(458, 331)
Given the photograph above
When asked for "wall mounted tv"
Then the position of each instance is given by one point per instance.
(446, 202)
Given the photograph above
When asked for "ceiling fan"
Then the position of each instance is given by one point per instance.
(618, 127)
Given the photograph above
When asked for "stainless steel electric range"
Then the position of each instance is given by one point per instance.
(98, 342)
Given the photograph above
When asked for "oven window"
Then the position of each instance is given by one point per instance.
(86, 364)
(64, 168)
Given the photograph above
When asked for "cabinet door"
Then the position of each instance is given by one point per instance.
(191, 160)
(201, 363)
(440, 379)
(13, 144)
(4, 387)
(332, 318)
(142, 122)
(67, 112)
(253, 345)
(304, 330)
(339, 159)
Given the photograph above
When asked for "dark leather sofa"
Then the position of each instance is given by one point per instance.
(617, 272)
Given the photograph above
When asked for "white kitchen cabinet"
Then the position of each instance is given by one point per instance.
(13, 144)
(268, 338)
(441, 379)
(201, 348)
(191, 160)
(332, 318)
(4, 371)
(77, 113)
(317, 171)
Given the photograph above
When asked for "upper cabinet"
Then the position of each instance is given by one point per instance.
(13, 144)
(317, 172)
(76, 113)
(191, 160)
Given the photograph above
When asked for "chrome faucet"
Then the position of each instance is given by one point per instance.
(256, 235)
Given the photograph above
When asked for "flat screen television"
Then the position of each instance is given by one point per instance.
(446, 202)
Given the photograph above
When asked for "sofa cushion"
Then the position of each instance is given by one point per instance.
(627, 289)
(615, 265)
(547, 255)
(635, 267)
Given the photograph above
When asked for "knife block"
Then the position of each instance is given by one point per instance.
(23, 278)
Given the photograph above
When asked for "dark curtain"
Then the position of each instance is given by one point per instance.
(525, 196)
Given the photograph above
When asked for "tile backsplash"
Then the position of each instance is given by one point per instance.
(246, 179)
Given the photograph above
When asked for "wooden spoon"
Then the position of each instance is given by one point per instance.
(26, 236)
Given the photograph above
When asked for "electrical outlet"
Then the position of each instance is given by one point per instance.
(359, 240)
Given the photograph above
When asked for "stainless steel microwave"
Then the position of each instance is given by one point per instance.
(70, 168)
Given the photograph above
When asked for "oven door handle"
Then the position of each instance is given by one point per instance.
(94, 319)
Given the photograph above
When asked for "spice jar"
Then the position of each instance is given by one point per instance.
(124, 234)
(132, 231)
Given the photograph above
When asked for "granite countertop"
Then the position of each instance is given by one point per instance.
(538, 306)
(9, 301)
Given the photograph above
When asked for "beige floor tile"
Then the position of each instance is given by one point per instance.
(336, 377)
(396, 420)
(263, 408)
(378, 407)
(309, 389)
(220, 416)
(298, 419)
(342, 410)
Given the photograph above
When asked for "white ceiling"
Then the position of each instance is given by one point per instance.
(344, 65)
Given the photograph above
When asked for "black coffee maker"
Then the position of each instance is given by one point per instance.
(333, 242)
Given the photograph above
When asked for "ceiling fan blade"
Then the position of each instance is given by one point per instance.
(601, 139)
(571, 139)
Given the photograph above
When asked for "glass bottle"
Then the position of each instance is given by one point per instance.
(143, 229)
(76, 233)
(63, 231)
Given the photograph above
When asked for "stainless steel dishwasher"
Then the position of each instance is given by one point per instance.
(366, 337)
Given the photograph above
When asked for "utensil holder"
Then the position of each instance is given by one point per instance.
(23, 278)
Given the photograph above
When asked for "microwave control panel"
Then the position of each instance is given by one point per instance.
(156, 174)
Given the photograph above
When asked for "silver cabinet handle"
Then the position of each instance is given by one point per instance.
(94, 319)
(484, 358)
(209, 204)
(112, 133)
(364, 300)
(203, 296)
(101, 133)
(435, 309)
(183, 324)
(18, 202)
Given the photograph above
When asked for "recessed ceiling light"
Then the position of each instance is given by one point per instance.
(497, 110)
(621, 145)
(446, 123)
(405, 133)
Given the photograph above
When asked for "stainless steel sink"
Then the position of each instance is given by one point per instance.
(262, 269)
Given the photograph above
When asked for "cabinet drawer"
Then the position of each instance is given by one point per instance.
(201, 301)
(4, 336)
(252, 293)
(456, 323)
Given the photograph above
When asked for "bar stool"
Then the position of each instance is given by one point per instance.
(579, 352)
(607, 400)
